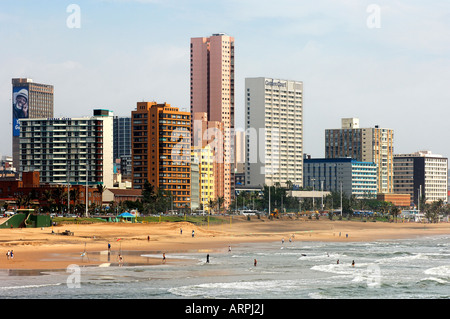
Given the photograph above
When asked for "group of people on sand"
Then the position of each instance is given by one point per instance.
(9, 254)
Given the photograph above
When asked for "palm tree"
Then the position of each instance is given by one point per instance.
(100, 189)
(395, 211)
(19, 200)
(220, 201)
(211, 204)
(385, 207)
(432, 210)
(58, 195)
(27, 200)
(47, 196)
(289, 185)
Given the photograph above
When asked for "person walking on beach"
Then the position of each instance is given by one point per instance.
(7, 254)
(164, 258)
(109, 247)
(193, 233)
(229, 249)
(207, 258)
(181, 231)
(120, 260)
(11, 254)
(255, 262)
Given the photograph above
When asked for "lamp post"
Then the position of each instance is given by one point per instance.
(68, 195)
(87, 190)
(341, 198)
(321, 190)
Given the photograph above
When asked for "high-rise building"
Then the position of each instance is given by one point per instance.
(205, 159)
(421, 173)
(239, 152)
(274, 131)
(364, 145)
(356, 178)
(122, 136)
(122, 146)
(195, 182)
(30, 100)
(212, 93)
(69, 150)
(161, 150)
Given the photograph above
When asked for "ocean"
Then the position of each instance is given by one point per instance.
(389, 269)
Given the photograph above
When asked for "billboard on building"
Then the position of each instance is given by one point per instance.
(20, 107)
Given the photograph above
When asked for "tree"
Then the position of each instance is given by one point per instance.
(385, 207)
(148, 197)
(432, 211)
(220, 201)
(75, 195)
(47, 196)
(100, 189)
(58, 195)
(289, 185)
(211, 204)
(395, 211)
(148, 193)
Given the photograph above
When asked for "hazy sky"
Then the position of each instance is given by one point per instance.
(385, 62)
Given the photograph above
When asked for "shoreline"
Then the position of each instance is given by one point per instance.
(39, 249)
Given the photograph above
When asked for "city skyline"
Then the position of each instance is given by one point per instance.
(384, 72)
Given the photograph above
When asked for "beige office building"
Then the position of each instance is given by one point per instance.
(366, 145)
(274, 131)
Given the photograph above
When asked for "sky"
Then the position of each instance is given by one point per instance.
(384, 62)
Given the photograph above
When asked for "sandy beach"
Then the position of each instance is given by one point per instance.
(47, 248)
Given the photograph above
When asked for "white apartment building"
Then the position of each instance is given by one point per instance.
(69, 150)
(274, 131)
(422, 173)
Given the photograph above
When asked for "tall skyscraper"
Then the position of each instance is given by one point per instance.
(212, 93)
(421, 173)
(69, 150)
(122, 146)
(29, 100)
(274, 131)
(122, 136)
(161, 150)
(364, 145)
